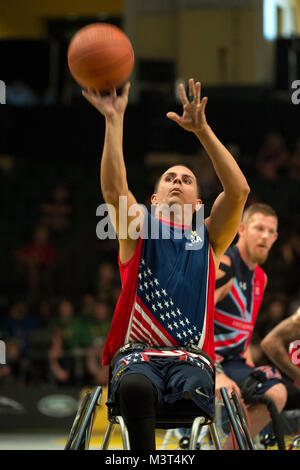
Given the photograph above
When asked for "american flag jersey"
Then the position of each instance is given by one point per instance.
(167, 297)
(236, 314)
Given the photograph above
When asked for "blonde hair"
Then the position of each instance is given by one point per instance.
(258, 208)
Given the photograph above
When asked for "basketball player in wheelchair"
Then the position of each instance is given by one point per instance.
(164, 316)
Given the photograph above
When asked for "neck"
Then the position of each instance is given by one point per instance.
(173, 216)
(246, 256)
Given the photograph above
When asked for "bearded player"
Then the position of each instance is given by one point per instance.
(240, 287)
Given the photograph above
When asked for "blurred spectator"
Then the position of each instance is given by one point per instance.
(72, 336)
(57, 213)
(18, 324)
(291, 249)
(294, 165)
(16, 329)
(35, 263)
(290, 257)
(20, 94)
(207, 178)
(295, 301)
(275, 311)
(61, 365)
(16, 370)
(60, 360)
(116, 292)
(272, 158)
(88, 303)
(235, 150)
(96, 374)
(72, 330)
(106, 276)
(273, 314)
(101, 322)
(44, 314)
(40, 340)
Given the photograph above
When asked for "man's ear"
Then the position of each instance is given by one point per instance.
(241, 229)
(153, 199)
(275, 236)
(198, 205)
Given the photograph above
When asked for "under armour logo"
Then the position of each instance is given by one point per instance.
(243, 285)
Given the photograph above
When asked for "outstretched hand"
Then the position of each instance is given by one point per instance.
(193, 118)
(111, 104)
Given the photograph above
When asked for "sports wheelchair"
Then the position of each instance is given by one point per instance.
(168, 418)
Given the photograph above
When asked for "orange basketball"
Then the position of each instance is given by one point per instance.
(100, 56)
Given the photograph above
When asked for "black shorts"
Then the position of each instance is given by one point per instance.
(238, 370)
(172, 377)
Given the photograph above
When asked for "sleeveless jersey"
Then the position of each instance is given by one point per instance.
(236, 314)
(167, 297)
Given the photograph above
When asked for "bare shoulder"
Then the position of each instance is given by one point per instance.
(287, 330)
(296, 317)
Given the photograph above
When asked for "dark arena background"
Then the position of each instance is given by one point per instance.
(56, 309)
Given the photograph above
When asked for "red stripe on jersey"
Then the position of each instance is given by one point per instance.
(259, 284)
(208, 345)
(129, 276)
(158, 335)
(233, 322)
(139, 335)
(229, 342)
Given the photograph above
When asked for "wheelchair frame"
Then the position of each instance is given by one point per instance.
(81, 430)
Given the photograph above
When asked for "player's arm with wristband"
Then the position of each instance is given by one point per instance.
(226, 213)
(113, 175)
(276, 345)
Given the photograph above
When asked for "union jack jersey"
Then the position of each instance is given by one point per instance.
(236, 314)
(167, 297)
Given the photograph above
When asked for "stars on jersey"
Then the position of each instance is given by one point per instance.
(157, 303)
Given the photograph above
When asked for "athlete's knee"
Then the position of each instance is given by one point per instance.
(278, 394)
(136, 389)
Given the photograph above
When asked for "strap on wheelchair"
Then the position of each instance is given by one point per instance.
(249, 388)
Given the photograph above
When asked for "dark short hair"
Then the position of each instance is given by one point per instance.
(186, 166)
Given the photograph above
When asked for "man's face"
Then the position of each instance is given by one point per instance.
(177, 185)
(258, 236)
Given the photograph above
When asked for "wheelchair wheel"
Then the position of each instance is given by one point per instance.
(242, 419)
(236, 426)
(80, 434)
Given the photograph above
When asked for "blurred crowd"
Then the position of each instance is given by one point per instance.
(59, 340)
(56, 337)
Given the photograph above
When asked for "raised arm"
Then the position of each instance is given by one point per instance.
(226, 213)
(276, 345)
(113, 175)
